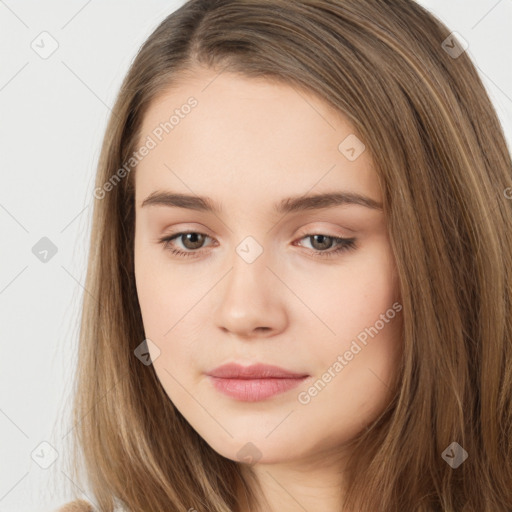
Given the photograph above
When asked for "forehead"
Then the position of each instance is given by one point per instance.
(258, 137)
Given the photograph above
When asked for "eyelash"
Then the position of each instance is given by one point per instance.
(345, 244)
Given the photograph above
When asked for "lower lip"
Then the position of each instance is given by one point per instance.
(253, 390)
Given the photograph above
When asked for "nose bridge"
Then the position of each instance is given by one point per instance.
(250, 272)
(249, 299)
(250, 250)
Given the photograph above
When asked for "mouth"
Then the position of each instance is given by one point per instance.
(254, 383)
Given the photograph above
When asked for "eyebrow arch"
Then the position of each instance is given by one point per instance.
(287, 205)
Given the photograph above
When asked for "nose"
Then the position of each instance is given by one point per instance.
(251, 299)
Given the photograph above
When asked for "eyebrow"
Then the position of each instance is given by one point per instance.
(287, 205)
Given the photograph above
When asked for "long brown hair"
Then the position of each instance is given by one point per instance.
(446, 172)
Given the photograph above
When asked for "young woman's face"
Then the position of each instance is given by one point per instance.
(261, 277)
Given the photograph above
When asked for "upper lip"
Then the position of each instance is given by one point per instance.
(254, 371)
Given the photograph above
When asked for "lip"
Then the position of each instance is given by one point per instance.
(253, 371)
(255, 382)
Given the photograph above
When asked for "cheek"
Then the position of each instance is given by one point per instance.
(164, 293)
(355, 297)
(348, 299)
(357, 364)
(172, 310)
(153, 300)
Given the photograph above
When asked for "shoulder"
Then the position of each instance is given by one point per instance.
(76, 506)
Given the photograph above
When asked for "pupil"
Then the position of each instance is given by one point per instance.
(194, 239)
(322, 238)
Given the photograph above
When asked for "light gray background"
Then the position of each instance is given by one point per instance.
(53, 116)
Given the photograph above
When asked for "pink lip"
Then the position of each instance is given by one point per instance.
(255, 382)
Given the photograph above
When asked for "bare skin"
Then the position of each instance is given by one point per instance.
(247, 145)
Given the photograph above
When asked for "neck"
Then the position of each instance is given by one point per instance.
(292, 486)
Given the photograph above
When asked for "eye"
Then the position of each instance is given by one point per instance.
(324, 242)
(192, 241)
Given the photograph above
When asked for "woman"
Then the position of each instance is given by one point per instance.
(300, 270)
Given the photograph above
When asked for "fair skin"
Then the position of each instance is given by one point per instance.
(247, 145)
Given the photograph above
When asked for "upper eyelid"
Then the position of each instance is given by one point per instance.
(316, 230)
